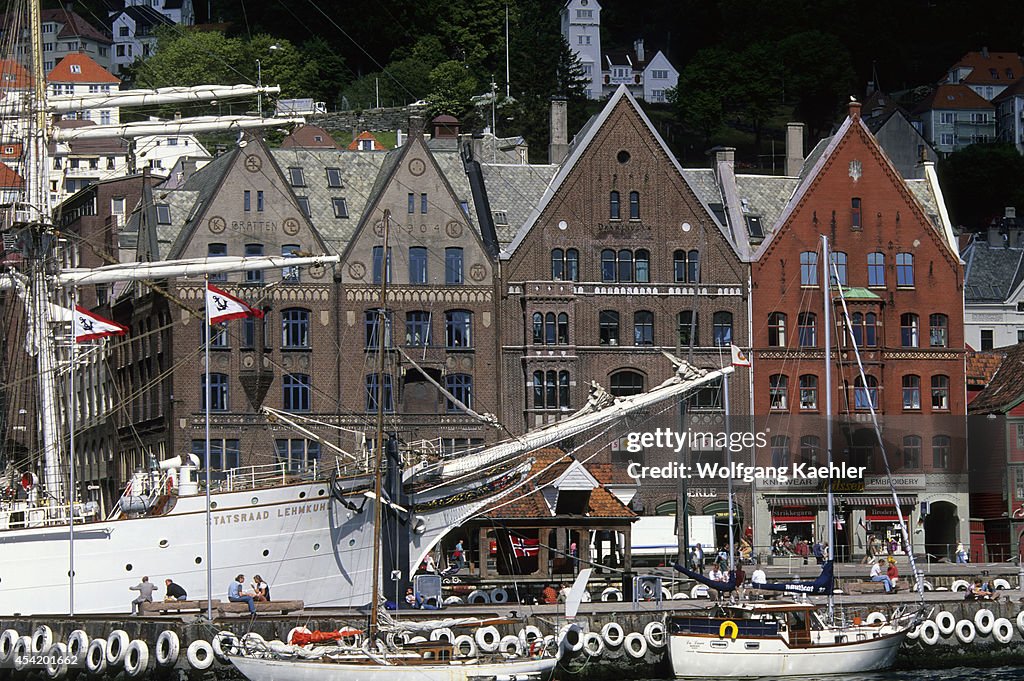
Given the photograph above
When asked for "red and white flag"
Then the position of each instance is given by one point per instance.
(222, 306)
(89, 326)
(739, 357)
(524, 548)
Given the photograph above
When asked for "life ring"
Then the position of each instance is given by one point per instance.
(478, 596)
(593, 644)
(613, 634)
(418, 639)
(225, 643)
(42, 639)
(168, 647)
(252, 642)
(57, 661)
(510, 645)
(499, 595)
(487, 639)
(1000, 584)
(530, 634)
(946, 622)
(699, 591)
(914, 632)
(1002, 630)
(22, 652)
(928, 586)
(960, 585)
(654, 632)
(728, 629)
(296, 630)
(7, 641)
(442, 634)
(1020, 622)
(875, 618)
(570, 637)
(78, 643)
(464, 646)
(635, 645)
(199, 655)
(983, 620)
(611, 594)
(96, 656)
(453, 600)
(965, 631)
(117, 645)
(929, 633)
(666, 595)
(682, 595)
(136, 658)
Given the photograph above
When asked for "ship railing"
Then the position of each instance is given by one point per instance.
(142, 493)
(266, 475)
(21, 514)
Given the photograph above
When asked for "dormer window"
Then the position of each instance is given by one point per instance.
(76, 68)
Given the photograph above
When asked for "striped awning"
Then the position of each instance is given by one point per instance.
(821, 500)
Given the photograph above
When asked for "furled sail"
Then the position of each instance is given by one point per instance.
(822, 585)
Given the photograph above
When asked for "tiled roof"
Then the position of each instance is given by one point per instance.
(991, 274)
(309, 137)
(1006, 389)
(1015, 90)
(143, 15)
(365, 135)
(14, 75)
(88, 71)
(549, 464)
(10, 179)
(513, 190)
(991, 68)
(73, 25)
(982, 366)
(953, 97)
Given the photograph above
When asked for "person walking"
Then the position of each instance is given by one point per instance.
(961, 554)
(236, 595)
(145, 590)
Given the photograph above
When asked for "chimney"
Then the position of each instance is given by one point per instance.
(854, 109)
(794, 148)
(725, 155)
(1010, 213)
(1013, 228)
(558, 147)
(638, 47)
(415, 126)
(994, 238)
(476, 145)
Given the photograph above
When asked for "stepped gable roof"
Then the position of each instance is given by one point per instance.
(143, 15)
(10, 179)
(528, 501)
(72, 25)
(991, 273)
(513, 191)
(14, 75)
(951, 97)
(982, 366)
(365, 135)
(359, 172)
(309, 137)
(990, 68)
(87, 71)
(1006, 389)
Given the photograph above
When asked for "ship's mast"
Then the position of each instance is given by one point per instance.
(378, 483)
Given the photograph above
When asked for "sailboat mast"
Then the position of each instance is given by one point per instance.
(728, 450)
(378, 482)
(827, 316)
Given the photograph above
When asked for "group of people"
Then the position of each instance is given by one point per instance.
(146, 589)
(886, 572)
(259, 593)
(802, 548)
(981, 591)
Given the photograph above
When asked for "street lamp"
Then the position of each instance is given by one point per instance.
(259, 81)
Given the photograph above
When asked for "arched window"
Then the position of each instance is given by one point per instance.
(634, 205)
(538, 328)
(565, 265)
(808, 329)
(808, 268)
(614, 212)
(549, 328)
(626, 383)
(808, 392)
(911, 392)
(557, 264)
(295, 328)
(687, 322)
(940, 451)
(865, 395)
(608, 268)
(777, 329)
(686, 266)
(909, 331)
(608, 327)
(938, 325)
(721, 323)
(940, 393)
(912, 452)
(693, 267)
(643, 266)
(643, 327)
(563, 328)
(778, 392)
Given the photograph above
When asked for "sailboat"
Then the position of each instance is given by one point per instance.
(750, 640)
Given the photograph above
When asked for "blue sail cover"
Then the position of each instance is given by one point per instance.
(710, 583)
(822, 585)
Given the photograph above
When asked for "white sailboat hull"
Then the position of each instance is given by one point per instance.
(695, 656)
(256, 669)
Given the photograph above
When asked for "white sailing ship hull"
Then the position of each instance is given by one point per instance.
(256, 669)
(696, 656)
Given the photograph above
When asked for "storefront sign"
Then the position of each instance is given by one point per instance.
(775, 484)
(900, 481)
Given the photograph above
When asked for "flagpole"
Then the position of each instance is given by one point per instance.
(209, 519)
(71, 457)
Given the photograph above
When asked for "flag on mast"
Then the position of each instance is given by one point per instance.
(89, 326)
(739, 357)
(222, 306)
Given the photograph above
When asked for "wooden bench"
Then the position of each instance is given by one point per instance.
(283, 607)
(165, 607)
(865, 587)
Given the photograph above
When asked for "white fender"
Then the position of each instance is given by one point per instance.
(487, 639)
(611, 594)
(636, 645)
(453, 600)
(117, 646)
(593, 644)
(225, 643)
(699, 591)
(199, 655)
(983, 620)
(682, 595)
(529, 634)
(1002, 630)
(965, 631)
(464, 646)
(613, 634)
(252, 642)
(96, 656)
(42, 639)
(929, 632)
(22, 651)
(570, 638)
(875, 618)
(1000, 584)
(57, 661)
(136, 658)
(510, 645)
(7, 641)
(654, 632)
(1020, 621)
(499, 595)
(78, 643)
(960, 585)
(946, 622)
(442, 634)
(168, 647)
(914, 632)
(478, 596)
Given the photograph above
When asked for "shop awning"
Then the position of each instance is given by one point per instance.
(821, 500)
(777, 519)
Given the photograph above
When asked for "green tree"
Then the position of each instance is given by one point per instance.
(979, 181)
(705, 87)
(819, 73)
(186, 57)
(451, 87)
(323, 74)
